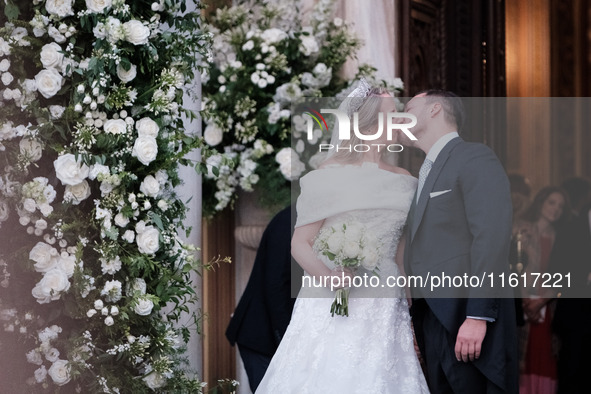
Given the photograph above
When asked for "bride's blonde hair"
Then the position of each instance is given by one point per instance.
(367, 122)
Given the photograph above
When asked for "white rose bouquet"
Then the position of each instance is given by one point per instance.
(348, 246)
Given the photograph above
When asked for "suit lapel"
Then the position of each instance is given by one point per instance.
(429, 183)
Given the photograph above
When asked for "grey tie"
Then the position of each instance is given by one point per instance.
(423, 172)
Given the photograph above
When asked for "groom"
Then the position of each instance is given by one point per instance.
(459, 222)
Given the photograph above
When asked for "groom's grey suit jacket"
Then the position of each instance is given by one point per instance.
(460, 225)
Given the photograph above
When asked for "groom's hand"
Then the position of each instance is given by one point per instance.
(469, 340)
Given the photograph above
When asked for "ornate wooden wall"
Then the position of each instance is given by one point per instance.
(457, 46)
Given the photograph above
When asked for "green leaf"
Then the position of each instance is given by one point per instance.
(11, 11)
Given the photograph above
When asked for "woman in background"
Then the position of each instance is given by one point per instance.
(537, 229)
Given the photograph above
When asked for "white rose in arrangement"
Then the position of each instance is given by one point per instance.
(112, 291)
(213, 134)
(150, 186)
(60, 372)
(336, 241)
(52, 355)
(271, 36)
(34, 357)
(121, 220)
(370, 259)
(67, 263)
(69, 170)
(126, 75)
(51, 56)
(56, 111)
(143, 306)
(7, 78)
(351, 249)
(354, 232)
(75, 194)
(136, 32)
(40, 374)
(145, 149)
(96, 170)
(49, 82)
(60, 8)
(148, 240)
(44, 256)
(109, 321)
(31, 149)
(53, 283)
(154, 380)
(98, 6)
(115, 126)
(4, 65)
(129, 236)
(308, 45)
(146, 127)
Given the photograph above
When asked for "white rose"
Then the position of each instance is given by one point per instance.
(60, 372)
(96, 170)
(335, 241)
(146, 127)
(7, 78)
(351, 249)
(143, 306)
(128, 236)
(34, 357)
(308, 45)
(29, 205)
(61, 8)
(121, 220)
(75, 194)
(136, 32)
(98, 6)
(31, 149)
(148, 240)
(4, 65)
(40, 374)
(44, 256)
(50, 287)
(69, 170)
(354, 232)
(49, 82)
(52, 355)
(271, 36)
(370, 260)
(145, 149)
(56, 111)
(150, 186)
(115, 126)
(91, 312)
(109, 321)
(67, 263)
(51, 56)
(126, 75)
(154, 380)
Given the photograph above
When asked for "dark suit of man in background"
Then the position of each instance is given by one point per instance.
(264, 310)
(460, 222)
(571, 255)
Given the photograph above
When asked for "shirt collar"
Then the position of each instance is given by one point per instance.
(440, 144)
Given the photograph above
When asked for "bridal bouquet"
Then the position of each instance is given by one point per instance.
(350, 246)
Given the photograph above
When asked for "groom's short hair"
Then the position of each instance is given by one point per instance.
(453, 107)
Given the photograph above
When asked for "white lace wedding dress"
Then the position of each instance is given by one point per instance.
(371, 350)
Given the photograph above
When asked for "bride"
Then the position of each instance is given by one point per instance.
(371, 350)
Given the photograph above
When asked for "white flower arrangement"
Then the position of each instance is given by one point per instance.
(91, 137)
(348, 246)
(265, 57)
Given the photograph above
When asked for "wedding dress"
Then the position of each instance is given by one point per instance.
(371, 350)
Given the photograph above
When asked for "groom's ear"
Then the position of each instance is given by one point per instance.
(436, 108)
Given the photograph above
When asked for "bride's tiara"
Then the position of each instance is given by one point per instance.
(357, 96)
